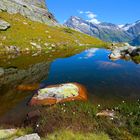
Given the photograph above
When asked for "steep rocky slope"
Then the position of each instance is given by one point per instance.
(104, 31)
(36, 10)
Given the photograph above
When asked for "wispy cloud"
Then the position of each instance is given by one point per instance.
(91, 16)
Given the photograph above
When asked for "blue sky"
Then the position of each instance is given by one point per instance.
(114, 11)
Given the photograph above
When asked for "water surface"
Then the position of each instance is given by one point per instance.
(107, 81)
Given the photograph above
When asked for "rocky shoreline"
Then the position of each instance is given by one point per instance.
(126, 52)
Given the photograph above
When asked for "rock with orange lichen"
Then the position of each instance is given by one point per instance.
(59, 93)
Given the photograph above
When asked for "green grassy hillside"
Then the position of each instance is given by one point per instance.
(29, 35)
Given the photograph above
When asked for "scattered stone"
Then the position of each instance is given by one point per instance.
(34, 136)
(53, 45)
(46, 44)
(35, 45)
(25, 23)
(4, 25)
(1, 71)
(49, 37)
(59, 93)
(106, 113)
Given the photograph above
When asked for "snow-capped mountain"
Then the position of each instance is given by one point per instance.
(133, 28)
(105, 31)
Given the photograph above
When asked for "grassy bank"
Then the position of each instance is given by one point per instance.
(79, 118)
(28, 35)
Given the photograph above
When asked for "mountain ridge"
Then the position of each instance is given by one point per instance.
(105, 31)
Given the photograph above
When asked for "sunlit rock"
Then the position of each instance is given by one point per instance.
(6, 133)
(106, 113)
(29, 137)
(4, 25)
(59, 93)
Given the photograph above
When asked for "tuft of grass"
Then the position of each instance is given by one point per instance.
(70, 135)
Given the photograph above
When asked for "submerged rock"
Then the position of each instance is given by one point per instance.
(29, 137)
(59, 93)
(4, 25)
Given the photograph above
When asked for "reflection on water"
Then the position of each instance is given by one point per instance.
(105, 80)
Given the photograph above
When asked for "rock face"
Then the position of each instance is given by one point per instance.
(104, 31)
(29, 137)
(4, 25)
(33, 9)
(125, 52)
(59, 93)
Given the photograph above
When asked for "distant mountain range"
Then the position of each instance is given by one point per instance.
(107, 31)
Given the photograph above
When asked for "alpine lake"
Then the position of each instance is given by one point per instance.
(107, 82)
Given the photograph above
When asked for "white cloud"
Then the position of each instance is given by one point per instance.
(91, 16)
(81, 12)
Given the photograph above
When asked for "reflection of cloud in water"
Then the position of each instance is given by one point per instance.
(89, 53)
(108, 65)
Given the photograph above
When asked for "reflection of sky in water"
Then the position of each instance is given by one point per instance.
(102, 77)
(89, 53)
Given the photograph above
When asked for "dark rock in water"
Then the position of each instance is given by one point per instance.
(135, 52)
(33, 9)
(4, 25)
(33, 114)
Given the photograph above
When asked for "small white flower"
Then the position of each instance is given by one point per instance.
(37, 125)
(99, 105)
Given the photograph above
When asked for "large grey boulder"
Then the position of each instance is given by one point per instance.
(6, 133)
(35, 10)
(122, 52)
(4, 25)
(29, 137)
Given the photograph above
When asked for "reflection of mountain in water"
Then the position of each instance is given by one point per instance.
(12, 77)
